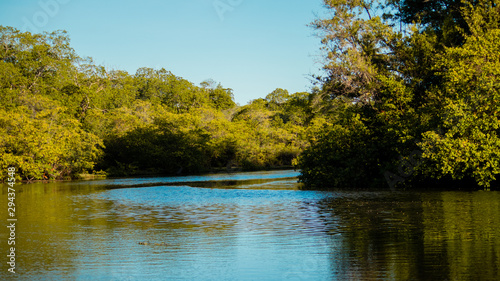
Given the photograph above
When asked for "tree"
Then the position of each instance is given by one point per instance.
(162, 86)
(40, 136)
(429, 86)
(356, 43)
(467, 142)
(277, 98)
(220, 97)
(441, 17)
(61, 115)
(48, 146)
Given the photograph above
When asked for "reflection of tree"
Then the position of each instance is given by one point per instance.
(65, 230)
(381, 236)
(45, 230)
(466, 225)
(416, 236)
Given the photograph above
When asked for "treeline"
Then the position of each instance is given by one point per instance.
(414, 90)
(62, 115)
(410, 98)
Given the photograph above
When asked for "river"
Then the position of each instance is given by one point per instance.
(248, 226)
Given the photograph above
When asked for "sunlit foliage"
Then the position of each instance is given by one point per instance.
(62, 115)
(403, 76)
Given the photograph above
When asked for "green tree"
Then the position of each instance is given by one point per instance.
(40, 135)
(162, 86)
(47, 146)
(429, 85)
(221, 98)
(277, 98)
(467, 143)
(61, 115)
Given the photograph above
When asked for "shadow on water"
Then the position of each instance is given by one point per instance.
(415, 236)
(281, 179)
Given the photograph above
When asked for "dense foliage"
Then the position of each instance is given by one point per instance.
(415, 94)
(62, 115)
(410, 97)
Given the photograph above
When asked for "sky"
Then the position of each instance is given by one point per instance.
(250, 46)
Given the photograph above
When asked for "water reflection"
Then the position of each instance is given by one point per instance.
(250, 228)
(417, 236)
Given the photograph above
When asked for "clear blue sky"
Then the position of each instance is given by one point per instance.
(251, 46)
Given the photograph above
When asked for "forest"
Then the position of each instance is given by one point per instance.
(409, 98)
(62, 115)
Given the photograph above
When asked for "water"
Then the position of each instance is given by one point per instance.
(248, 226)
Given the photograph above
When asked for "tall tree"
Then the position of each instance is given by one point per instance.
(388, 87)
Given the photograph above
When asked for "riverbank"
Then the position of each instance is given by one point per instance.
(100, 175)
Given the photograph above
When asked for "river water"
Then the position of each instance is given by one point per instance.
(248, 226)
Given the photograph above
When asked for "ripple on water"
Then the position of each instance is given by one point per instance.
(242, 226)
